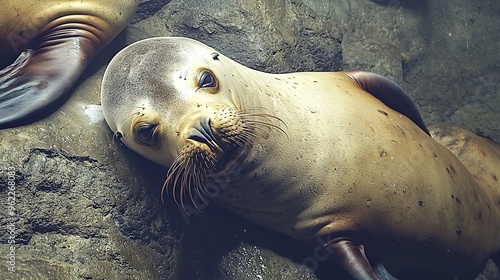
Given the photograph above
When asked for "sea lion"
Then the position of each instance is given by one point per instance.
(53, 41)
(311, 155)
(480, 155)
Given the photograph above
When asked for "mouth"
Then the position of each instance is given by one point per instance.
(227, 157)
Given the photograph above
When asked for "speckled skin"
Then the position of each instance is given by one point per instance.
(348, 166)
(480, 155)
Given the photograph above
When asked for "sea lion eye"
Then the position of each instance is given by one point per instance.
(206, 80)
(145, 133)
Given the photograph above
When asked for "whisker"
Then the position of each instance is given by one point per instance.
(188, 176)
(199, 184)
(240, 141)
(252, 110)
(203, 187)
(249, 118)
(176, 185)
(185, 187)
(186, 180)
(171, 171)
(260, 125)
(247, 136)
(174, 179)
(194, 182)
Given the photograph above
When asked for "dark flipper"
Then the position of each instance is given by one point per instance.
(390, 93)
(352, 258)
(42, 76)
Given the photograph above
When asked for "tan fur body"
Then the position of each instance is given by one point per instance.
(348, 166)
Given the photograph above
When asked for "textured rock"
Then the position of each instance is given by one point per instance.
(82, 208)
(147, 8)
(87, 208)
(275, 36)
(69, 223)
(444, 53)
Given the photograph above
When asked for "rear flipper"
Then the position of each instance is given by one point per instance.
(390, 93)
(352, 258)
(42, 76)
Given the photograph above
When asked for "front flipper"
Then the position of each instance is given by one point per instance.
(390, 93)
(352, 259)
(41, 76)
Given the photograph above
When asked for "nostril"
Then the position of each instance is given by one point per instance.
(198, 136)
(202, 133)
(205, 124)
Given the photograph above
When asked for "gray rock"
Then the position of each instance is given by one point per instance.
(147, 8)
(277, 37)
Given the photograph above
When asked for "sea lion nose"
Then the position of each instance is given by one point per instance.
(202, 132)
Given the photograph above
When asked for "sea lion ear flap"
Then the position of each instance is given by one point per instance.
(215, 56)
(390, 93)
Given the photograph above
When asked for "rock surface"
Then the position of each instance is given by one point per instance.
(87, 208)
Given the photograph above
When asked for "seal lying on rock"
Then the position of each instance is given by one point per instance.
(53, 41)
(316, 156)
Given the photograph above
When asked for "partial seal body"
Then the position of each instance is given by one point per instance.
(480, 155)
(45, 47)
(316, 156)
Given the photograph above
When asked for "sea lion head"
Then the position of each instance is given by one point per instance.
(175, 101)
